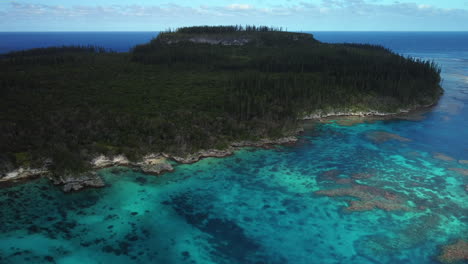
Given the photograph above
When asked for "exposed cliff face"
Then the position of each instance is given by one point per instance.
(213, 40)
(227, 39)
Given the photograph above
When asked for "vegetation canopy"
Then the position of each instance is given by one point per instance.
(192, 88)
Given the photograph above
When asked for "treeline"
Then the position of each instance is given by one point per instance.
(181, 96)
(51, 55)
(344, 69)
(56, 50)
(224, 29)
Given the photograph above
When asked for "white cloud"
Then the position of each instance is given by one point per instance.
(424, 6)
(302, 15)
(239, 7)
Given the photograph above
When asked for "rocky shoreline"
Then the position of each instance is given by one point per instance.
(317, 115)
(154, 164)
(158, 163)
(338, 113)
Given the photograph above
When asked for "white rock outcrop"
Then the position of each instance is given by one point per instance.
(103, 161)
(23, 173)
(154, 164)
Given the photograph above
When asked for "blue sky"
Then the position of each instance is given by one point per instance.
(305, 15)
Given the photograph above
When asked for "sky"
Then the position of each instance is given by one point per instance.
(304, 15)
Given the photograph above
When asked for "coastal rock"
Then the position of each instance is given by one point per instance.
(103, 161)
(372, 113)
(155, 164)
(264, 142)
(192, 158)
(76, 182)
(23, 173)
(216, 153)
(333, 113)
(299, 130)
(151, 164)
(120, 160)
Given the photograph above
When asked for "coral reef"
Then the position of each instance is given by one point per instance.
(329, 175)
(454, 253)
(335, 176)
(460, 170)
(369, 198)
(362, 175)
(383, 136)
(442, 156)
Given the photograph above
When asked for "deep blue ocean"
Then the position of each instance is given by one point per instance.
(354, 191)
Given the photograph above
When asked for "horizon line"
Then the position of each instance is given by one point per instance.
(151, 31)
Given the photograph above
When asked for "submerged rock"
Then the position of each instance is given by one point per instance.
(76, 182)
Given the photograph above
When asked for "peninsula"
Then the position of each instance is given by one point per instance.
(67, 110)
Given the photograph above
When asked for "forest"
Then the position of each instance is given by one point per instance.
(187, 90)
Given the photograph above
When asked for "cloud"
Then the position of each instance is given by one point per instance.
(326, 6)
(311, 14)
(240, 7)
(33, 11)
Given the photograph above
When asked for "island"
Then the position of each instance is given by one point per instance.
(189, 93)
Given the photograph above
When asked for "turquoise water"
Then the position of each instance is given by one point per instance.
(348, 192)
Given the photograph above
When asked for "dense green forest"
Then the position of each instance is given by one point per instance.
(192, 88)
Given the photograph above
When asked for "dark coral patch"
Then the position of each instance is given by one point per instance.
(228, 238)
(369, 198)
(383, 136)
(454, 253)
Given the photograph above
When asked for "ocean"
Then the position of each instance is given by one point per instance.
(116, 41)
(350, 191)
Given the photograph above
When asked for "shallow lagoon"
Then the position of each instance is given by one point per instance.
(389, 191)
